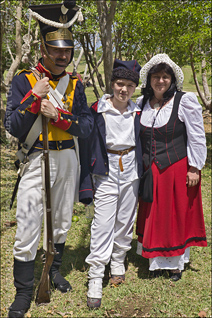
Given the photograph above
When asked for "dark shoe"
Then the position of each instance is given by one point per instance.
(60, 283)
(16, 313)
(156, 273)
(93, 302)
(175, 274)
(116, 280)
(23, 280)
(20, 306)
(57, 280)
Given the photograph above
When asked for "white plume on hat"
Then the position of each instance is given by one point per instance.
(157, 59)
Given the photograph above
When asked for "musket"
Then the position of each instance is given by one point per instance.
(43, 292)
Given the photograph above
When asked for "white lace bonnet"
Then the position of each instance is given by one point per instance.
(157, 59)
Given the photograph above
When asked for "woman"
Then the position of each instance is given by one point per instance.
(173, 222)
(115, 160)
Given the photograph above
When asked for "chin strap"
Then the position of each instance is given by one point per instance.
(45, 51)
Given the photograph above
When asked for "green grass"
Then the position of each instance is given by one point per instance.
(140, 296)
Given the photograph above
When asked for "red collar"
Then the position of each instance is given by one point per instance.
(42, 69)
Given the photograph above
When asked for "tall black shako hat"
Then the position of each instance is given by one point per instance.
(127, 70)
(55, 21)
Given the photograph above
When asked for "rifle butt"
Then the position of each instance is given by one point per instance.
(43, 292)
(44, 288)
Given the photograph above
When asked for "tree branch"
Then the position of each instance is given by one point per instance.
(14, 66)
(205, 102)
(12, 58)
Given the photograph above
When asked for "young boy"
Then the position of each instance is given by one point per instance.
(115, 160)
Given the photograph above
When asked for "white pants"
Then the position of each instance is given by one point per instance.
(29, 214)
(112, 225)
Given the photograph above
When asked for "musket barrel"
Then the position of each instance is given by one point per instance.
(43, 292)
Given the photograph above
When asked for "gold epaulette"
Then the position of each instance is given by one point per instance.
(24, 70)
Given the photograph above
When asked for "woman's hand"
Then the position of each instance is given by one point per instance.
(192, 177)
(48, 110)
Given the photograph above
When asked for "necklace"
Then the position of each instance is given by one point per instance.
(157, 104)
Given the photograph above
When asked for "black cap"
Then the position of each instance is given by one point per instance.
(59, 13)
(127, 70)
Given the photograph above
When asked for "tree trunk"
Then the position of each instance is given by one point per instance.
(78, 60)
(36, 43)
(88, 62)
(206, 103)
(15, 64)
(87, 78)
(204, 81)
(85, 73)
(118, 44)
(93, 61)
(106, 16)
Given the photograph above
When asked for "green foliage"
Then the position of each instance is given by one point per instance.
(167, 26)
(91, 19)
(140, 29)
(145, 26)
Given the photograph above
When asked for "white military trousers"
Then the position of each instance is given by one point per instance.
(112, 225)
(29, 214)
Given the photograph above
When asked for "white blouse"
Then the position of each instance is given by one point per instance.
(189, 112)
(120, 135)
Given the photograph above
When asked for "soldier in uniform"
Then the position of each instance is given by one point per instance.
(30, 95)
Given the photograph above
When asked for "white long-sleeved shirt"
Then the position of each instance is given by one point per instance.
(120, 135)
(189, 112)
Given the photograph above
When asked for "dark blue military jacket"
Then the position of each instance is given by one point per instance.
(23, 108)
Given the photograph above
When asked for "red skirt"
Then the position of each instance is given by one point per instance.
(174, 220)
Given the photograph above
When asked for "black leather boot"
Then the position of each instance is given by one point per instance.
(23, 280)
(175, 274)
(58, 281)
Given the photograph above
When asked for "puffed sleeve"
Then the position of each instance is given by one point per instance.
(139, 101)
(190, 112)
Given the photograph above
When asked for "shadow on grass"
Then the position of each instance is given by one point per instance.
(138, 261)
(143, 263)
(73, 258)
